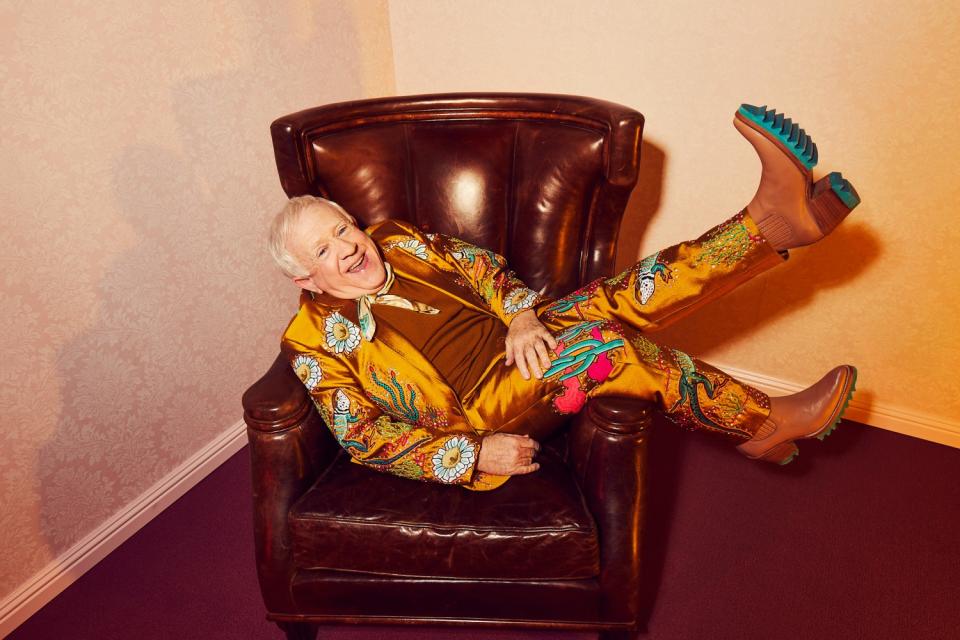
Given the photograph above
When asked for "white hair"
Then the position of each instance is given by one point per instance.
(284, 223)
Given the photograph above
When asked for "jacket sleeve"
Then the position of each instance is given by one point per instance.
(488, 274)
(413, 447)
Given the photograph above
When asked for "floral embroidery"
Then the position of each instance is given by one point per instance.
(399, 399)
(581, 356)
(646, 349)
(412, 246)
(727, 243)
(357, 434)
(687, 410)
(308, 370)
(479, 262)
(572, 332)
(488, 276)
(433, 418)
(582, 364)
(407, 469)
(519, 299)
(341, 334)
(574, 301)
(402, 402)
(567, 303)
(732, 406)
(384, 463)
(650, 352)
(619, 280)
(467, 254)
(321, 409)
(453, 459)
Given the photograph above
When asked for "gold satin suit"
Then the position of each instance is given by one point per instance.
(417, 399)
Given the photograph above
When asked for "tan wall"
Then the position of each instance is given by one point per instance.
(138, 177)
(875, 83)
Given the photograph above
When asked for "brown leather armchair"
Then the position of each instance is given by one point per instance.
(544, 180)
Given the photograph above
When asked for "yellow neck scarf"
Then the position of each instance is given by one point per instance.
(365, 314)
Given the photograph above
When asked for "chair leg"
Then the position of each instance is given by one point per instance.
(299, 630)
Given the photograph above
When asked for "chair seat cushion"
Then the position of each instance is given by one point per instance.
(534, 527)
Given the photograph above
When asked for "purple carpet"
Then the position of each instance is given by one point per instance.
(857, 538)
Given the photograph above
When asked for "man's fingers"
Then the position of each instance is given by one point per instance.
(527, 468)
(521, 440)
(531, 355)
(526, 449)
(522, 365)
(530, 363)
(550, 340)
(544, 358)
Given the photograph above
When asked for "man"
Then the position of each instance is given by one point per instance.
(427, 358)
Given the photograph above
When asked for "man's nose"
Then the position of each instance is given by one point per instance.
(346, 248)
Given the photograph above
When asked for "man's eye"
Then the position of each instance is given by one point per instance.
(342, 231)
(321, 252)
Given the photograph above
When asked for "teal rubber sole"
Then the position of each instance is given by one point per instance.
(844, 190)
(834, 424)
(789, 133)
(846, 403)
(790, 459)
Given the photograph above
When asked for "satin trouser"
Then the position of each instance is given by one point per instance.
(603, 348)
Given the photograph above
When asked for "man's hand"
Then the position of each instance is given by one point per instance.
(527, 343)
(506, 454)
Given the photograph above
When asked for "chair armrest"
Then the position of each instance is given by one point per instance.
(289, 448)
(608, 449)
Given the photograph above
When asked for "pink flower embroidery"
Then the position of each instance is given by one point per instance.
(573, 396)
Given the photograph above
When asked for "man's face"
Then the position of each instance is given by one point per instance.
(343, 260)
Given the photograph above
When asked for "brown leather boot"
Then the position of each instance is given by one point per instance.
(811, 413)
(789, 208)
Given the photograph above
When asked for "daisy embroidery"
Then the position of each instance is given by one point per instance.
(415, 247)
(519, 299)
(453, 459)
(308, 370)
(342, 335)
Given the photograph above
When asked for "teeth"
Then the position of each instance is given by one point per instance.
(354, 267)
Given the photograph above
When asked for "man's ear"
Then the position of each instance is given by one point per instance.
(306, 283)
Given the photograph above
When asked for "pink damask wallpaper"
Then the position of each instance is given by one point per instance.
(138, 301)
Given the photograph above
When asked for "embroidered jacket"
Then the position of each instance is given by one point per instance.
(387, 406)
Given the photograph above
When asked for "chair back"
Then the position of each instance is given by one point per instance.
(542, 179)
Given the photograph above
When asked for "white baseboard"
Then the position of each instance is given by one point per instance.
(63, 571)
(906, 421)
(47, 583)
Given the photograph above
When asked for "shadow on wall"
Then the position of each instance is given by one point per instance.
(192, 314)
(667, 446)
(835, 261)
(129, 383)
(644, 203)
(838, 259)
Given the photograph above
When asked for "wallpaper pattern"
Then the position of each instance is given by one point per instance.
(138, 301)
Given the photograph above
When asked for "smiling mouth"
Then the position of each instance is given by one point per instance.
(359, 266)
